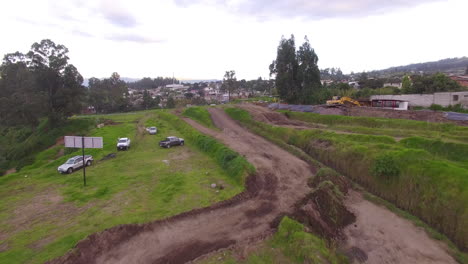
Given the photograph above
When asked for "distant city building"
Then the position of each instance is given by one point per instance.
(460, 79)
(426, 100)
(393, 84)
(177, 86)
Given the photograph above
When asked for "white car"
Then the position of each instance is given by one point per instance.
(75, 163)
(152, 130)
(123, 144)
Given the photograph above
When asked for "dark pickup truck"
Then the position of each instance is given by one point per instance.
(171, 141)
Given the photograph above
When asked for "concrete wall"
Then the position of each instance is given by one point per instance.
(426, 100)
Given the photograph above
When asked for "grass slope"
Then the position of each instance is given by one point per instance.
(43, 214)
(290, 244)
(421, 178)
(201, 115)
(385, 126)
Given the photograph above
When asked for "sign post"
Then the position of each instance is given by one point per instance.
(83, 142)
(84, 165)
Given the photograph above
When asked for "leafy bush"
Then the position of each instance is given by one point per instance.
(386, 167)
(303, 247)
(451, 108)
(436, 107)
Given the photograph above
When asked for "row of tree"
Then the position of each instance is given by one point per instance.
(39, 83)
(148, 83)
(427, 84)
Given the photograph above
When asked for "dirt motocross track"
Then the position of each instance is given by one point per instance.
(280, 182)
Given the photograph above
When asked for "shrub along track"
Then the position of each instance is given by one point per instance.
(280, 182)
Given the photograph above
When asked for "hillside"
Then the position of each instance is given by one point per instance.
(450, 65)
(44, 214)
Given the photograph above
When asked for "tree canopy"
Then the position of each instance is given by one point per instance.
(40, 83)
(297, 76)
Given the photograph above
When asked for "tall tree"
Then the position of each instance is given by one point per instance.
(59, 80)
(308, 72)
(285, 69)
(48, 84)
(297, 76)
(170, 102)
(229, 83)
(108, 95)
(466, 71)
(406, 86)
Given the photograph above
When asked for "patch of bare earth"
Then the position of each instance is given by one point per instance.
(47, 206)
(10, 171)
(380, 236)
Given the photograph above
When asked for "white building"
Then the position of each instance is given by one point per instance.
(426, 100)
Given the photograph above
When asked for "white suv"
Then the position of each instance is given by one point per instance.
(123, 144)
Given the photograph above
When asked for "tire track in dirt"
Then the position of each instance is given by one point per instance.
(280, 182)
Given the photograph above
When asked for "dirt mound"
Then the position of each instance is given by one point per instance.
(109, 122)
(329, 110)
(263, 114)
(323, 210)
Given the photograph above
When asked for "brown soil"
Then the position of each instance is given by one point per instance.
(380, 236)
(280, 182)
(323, 211)
(45, 206)
(10, 171)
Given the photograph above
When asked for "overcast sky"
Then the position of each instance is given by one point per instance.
(201, 39)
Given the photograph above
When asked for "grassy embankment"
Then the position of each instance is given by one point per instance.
(20, 145)
(423, 176)
(199, 114)
(290, 244)
(386, 126)
(44, 214)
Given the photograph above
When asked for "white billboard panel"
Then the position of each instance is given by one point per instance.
(89, 142)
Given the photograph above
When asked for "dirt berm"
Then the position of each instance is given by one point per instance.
(279, 184)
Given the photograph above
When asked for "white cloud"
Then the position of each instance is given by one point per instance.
(142, 38)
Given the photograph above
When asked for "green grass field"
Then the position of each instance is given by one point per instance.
(425, 176)
(44, 214)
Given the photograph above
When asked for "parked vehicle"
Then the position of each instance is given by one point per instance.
(171, 141)
(123, 144)
(75, 163)
(152, 130)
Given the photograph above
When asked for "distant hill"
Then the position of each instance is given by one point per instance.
(451, 65)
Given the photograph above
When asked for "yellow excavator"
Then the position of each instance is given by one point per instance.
(347, 101)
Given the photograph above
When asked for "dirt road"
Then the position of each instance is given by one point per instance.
(279, 183)
(385, 237)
